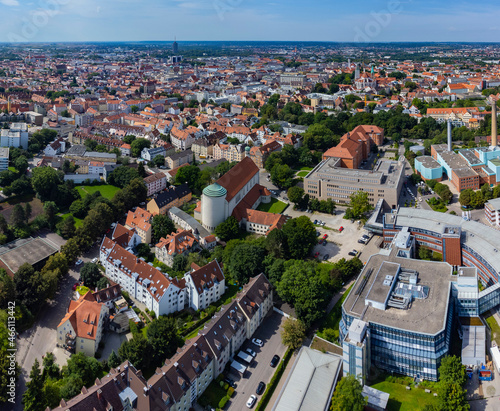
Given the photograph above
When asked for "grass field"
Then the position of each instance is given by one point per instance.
(494, 327)
(275, 206)
(302, 173)
(402, 399)
(78, 221)
(332, 320)
(107, 191)
(212, 395)
(306, 168)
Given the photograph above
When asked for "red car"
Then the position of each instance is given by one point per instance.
(74, 286)
(341, 229)
(325, 236)
(316, 255)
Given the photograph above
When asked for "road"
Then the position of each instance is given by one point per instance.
(260, 370)
(41, 338)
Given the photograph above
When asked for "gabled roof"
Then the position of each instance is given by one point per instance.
(83, 315)
(236, 178)
(205, 277)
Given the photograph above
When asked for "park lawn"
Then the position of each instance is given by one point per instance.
(78, 221)
(107, 191)
(402, 399)
(494, 327)
(302, 173)
(439, 207)
(332, 320)
(275, 206)
(306, 168)
(212, 395)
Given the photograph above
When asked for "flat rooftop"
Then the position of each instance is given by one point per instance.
(470, 157)
(381, 284)
(425, 316)
(31, 250)
(428, 162)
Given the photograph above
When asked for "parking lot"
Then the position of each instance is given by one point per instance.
(260, 370)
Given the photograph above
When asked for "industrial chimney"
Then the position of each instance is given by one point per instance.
(494, 123)
(449, 135)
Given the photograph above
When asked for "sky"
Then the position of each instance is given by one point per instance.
(285, 20)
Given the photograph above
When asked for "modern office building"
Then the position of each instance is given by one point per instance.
(329, 180)
(4, 158)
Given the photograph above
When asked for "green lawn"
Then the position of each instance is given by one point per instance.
(78, 221)
(402, 399)
(302, 173)
(332, 320)
(306, 168)
(275, 206)
(212, 395)
(106, 190)
(494, 327)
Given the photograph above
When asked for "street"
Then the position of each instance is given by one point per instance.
(41, 338)
(260, 370)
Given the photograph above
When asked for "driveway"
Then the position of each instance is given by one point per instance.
(42, 337)
(260, 370)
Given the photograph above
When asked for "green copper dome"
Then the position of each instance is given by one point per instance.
(214, 190)
(247, 148)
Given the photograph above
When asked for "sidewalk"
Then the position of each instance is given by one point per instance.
(283, 379)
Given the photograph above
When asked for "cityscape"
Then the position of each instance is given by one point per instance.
(243, 215)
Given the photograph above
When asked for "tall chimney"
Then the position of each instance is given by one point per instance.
(494, 123)
(449, 135)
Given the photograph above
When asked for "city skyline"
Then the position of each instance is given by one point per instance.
(223, 20)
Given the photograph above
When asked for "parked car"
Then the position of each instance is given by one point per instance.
(260, 388)
(251, 352)
(257, 342)
(251, 401)
(326, 257)
(315, 222)
(275, 361)
(325, 236)
(341, 229)
(362, 241)
(325, 242)
(230, 382)
(78, 262)
(353, 253)
(74, 286)
(320, 241)
(94, 260)
(316, 255)
(365, 236)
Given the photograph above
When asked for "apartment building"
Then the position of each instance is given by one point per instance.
(492, 211)
(4, 158)
(174, 196)
(178, 159)
(16, 136)
(180, 242)
(140, 220)
(230, 152)
(204, 285)
(155, 183)
(259, 155)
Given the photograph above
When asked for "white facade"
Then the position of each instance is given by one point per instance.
(16, 136)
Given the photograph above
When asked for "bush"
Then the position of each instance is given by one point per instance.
(230, 392)
(223, 402)
(226, 386)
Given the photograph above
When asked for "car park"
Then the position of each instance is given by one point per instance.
(257, 342)
(275, 361)
(260, 388)
(251, 352)
(251, 401)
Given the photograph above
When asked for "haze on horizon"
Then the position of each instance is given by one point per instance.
(278, 20)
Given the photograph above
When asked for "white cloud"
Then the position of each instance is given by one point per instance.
(9, 2)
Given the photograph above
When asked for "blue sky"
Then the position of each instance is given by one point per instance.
(315, 20)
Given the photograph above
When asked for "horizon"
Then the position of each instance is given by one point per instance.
(366, 22)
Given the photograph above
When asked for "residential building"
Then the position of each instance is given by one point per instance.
(178, 159)
(55, 148)
(174, 196)
(492, 211)
(4, 158)
(204, 285)
(149, 154)
(181, 242)
(230, 152)
(292, 79)
(145, 283)
(84, 120)
(16, 136)
(259, 155)
(82, 327)
(328, 180)
(140, 220)
(261, 222)
(155, 183)
(128, 239)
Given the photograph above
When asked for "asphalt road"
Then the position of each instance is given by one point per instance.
(260, 370)
(41, 338)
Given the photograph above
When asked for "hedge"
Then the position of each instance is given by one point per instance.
(264, 400)
(223, 401)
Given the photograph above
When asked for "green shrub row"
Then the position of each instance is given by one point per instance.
(266, 397)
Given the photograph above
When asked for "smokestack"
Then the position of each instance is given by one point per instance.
(449, 135)
(494, 123)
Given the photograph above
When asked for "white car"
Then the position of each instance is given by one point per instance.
(251, 401)
(251, 352)
(257, 342)
(94, 260)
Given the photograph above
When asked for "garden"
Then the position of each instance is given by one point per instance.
(275, 206)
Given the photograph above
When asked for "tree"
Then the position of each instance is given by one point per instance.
(246, 261)
(161, 226)
(27, 212)
(295, 194)
(452, 370)
(81, 366)
(44, 181)
(300, 236)
(159, 160)
(162, 336)
(282, 176)
(33, 399)
(134, 109)
(359, 205)
(189, 175)
(227, 230)
(452, 397)
(50, 368)
(102, 283)
(50, 213)
(67, 227)
(347, 395)
(128, 139)
(141, 170)
(121, 176)
(90, 274)
(114, 360)
(137, 351)
(180, 262)
(31, 289)
(138, 145)
(293, 333)
(443, 191)
(7, 288)
(17, 218)
(21, 164)
(465, 197)
(71, 250)
(56, 262)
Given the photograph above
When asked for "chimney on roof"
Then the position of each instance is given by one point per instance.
(449, 135)
(494, 123)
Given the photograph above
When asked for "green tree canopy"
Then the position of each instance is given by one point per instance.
(228, 230)
(300, 236)
(162, 336)
(359, 206)
(162, 226)
(90, 274)
(347, 395)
